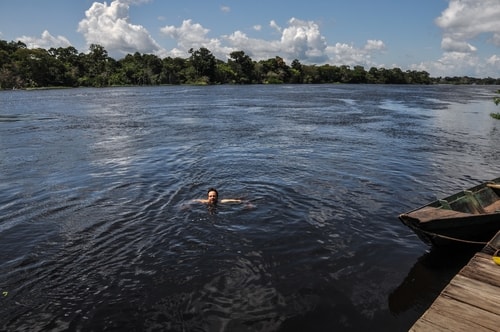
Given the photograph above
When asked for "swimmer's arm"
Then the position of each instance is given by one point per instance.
(247, 203)
(230, 200)
(204, 201)
(222, 201)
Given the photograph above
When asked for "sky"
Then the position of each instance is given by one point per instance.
(442, 37)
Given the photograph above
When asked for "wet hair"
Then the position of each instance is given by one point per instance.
(213, 189)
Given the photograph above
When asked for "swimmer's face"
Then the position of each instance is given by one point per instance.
(212, 197)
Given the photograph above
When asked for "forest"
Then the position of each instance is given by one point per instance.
(25, 68)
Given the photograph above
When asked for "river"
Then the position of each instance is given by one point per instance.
(98, 230)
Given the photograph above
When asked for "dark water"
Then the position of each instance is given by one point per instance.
(97, 231)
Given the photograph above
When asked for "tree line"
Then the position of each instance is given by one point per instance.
(21, 68)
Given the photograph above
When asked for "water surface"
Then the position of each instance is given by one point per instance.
(97, 228)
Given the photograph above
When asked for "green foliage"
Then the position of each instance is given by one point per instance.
(22, 68)
(204, 64)
(242, 67)
(496, 100)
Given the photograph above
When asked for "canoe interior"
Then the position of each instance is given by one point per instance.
(479, 200)
(472, 214)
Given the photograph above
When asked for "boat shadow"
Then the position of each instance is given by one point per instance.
(428, 277)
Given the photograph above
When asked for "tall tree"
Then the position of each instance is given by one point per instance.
(204, 64)
(275, 70)
(97, 66)
(242, 66)
(358, 75)
(173, 69)
(296, 72)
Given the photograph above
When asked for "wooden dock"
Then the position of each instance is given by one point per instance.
(471, 301)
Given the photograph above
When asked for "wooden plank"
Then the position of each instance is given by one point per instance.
(425, 325)
(470, 302)
(482, 268)
(493, 208)
(475, 293)
(449, 313)
(428, 213)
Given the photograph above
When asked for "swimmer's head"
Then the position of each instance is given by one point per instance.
(212, 196)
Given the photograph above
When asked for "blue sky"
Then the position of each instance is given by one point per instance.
(443, 37)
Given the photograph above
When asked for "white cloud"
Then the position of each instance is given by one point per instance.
(225, 9)
(303, 40)
(46, 41)
(374, 45)
(345, 54)
(466, 19)
(194, 35)
(300, 40)
(462, 22)
(494, 60)
(460, 64)
(109, 27)
(452, 45)
(275, 25)
(257, 49)
(187, 33)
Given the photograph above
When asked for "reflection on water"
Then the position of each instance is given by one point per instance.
(423, 282)
(97, 230)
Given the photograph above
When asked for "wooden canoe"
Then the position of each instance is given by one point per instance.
(471, 216)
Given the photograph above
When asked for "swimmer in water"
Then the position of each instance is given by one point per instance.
(213, 198)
